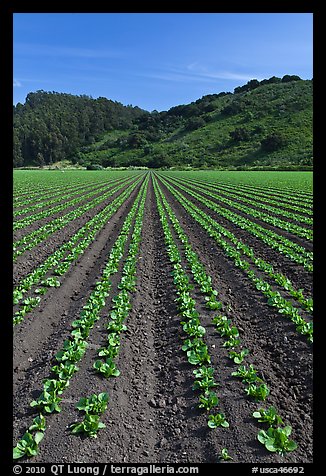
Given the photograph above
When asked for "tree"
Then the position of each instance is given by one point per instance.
(17, 151)
(290, 77)
(158, 159)
(195, 123)
(240, 134)
(39, 160)
(273, 142)
(252, 84)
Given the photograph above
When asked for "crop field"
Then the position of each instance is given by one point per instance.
(163, 317)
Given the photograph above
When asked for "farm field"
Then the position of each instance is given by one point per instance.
(174, 308)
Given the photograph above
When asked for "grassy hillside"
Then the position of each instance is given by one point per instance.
(268, 125)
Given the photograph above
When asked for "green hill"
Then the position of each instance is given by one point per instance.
(267, 123)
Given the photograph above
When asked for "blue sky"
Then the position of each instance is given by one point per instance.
(156, 60)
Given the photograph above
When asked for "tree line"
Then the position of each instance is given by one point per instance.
(51, 126)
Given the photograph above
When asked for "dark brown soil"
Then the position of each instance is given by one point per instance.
(152, 414)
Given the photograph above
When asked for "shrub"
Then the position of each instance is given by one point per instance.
(273, 142)
(94, 167)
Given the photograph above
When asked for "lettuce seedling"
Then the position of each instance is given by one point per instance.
(198, 356)
(217, 420)
(277, 440)
(208, 400)
(193, 344)
(107, 368)
(206, 286)
(212, 303)
(306, 328)
(116, 327)
(204, 384)
(72, 351)
(51, 282)
(204, 372)
(268, 416)
(28, 445)
(218, 319)
(231, 342)
(113, 339)
(39, 424)
(193, 328)
(127, 283)
(48, 401)
(65, 371)
(55, 386)
(247, 375)
(81, 334)
(95, 404)
(238, 356)
(109, 351)
(90, 425)
(31, 302)
(224, 455)
(40, 290)
(257, 392)
(17, 296)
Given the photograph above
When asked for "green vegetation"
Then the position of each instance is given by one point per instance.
(174, 193)
(265, 124)
(224, 456)
(89, 426)
(277, 439)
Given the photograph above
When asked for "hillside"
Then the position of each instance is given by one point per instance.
(267, 123)
(52, 126)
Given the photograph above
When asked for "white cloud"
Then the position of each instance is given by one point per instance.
(195, 72)
(203, 71)
(64, 51)
(17, 84)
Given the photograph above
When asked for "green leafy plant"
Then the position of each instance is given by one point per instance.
(107, 368)
(247, 375)
(212, 303)
(47, 402)
(268, 416)
(231, 342)
(64, 370)
(224, 455)
(208, 400)
(217, 420)
(204, 372)
(116, 327)
(28, 445)
(204, 384)
(95, 404)
(39, 424)
(197, 351)
(257, 392)
(51, 282)
(277, 440)
(238, 356)
(109, 351)
(31, 302)
(72, 351)
(90, 425)
(40, 290)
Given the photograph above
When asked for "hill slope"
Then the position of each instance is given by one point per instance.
(51, 127)
(263, 123)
